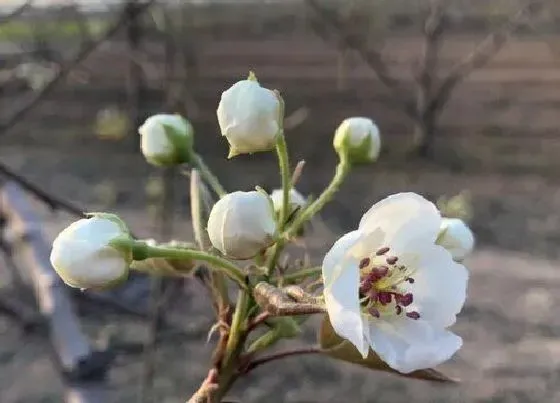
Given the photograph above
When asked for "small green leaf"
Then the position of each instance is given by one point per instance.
(341, 349)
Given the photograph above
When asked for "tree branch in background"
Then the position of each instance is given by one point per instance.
(16, 12)
(484, 52)
(432, 94)
(371, 57)
(53, 202)
(67, 67)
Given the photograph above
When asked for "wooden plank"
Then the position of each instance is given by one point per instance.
(75, 355)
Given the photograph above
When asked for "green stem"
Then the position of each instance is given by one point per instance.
(284, 162)
(237, 327)
(218, 263)
(273, 258)
(301, 274)
(208, 176)
(342, 171)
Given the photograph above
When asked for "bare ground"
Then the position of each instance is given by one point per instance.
(510, 329)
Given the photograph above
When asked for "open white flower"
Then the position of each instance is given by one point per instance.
(83, 256)
(388, 286)
(456, 237)
(295, 198)
(359, 139)
(248, 117)
(166, 139)
(241, 224)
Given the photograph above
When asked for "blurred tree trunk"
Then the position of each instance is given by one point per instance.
(135, 76)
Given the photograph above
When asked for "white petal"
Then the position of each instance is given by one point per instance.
(241, 224)
(457, 238)
(296, 199)
(248, 116)
(341, 278)
(440, 283)
(402, 217)
(95, 230)
(408, 345)
(85, 265)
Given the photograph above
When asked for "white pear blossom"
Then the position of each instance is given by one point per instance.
(248, 117)
(82, 254)
(456, 237)
(388, 286)
(166, 139)
(295, 198)
(241, 224)
(359, 138)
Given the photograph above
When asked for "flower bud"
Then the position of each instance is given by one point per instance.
(296, 200)
(166, 140)
(83, 254)
(456, 237)
(358, 139)
(248, 115)
(241, 224)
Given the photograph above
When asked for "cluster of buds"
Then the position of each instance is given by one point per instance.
(376, 300)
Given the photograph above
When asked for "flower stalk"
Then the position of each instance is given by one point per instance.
(142, 251)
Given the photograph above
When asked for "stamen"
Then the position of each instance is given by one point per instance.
(392, 260)
(384, 298)
(405, 300)
(380, 272)
(413, 315)
(374, 312)
(382, 251)
(365, 262)
(410, 280)
(399, 309)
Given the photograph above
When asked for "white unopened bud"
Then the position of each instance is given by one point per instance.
(248, 115)
(83, 256)
(166, 140)
(241, 224)
(358, 138)
(456, 237)
(296, 200)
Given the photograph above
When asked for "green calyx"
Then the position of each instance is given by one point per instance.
(356, 153)
(183, 145)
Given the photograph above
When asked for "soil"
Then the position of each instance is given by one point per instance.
(510, 332)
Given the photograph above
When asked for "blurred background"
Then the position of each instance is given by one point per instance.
(466, 95)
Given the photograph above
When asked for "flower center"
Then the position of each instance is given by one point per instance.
(381, 286)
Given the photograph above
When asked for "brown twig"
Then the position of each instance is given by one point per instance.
(280, 355)
(257, 320)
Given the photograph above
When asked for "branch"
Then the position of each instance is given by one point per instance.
(371, 57)
(53, 202)
(283, 354)
(483, 53)
(16, 13)
(65, 69)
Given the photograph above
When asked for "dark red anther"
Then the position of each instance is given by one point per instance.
(399, 309)
(364, 262)
(410, 280)
(374, 312)
(382, 251)
(413, 315)
(405, 300)
(384, 298)
(380, 272)
(365, 288)
(391, 260)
